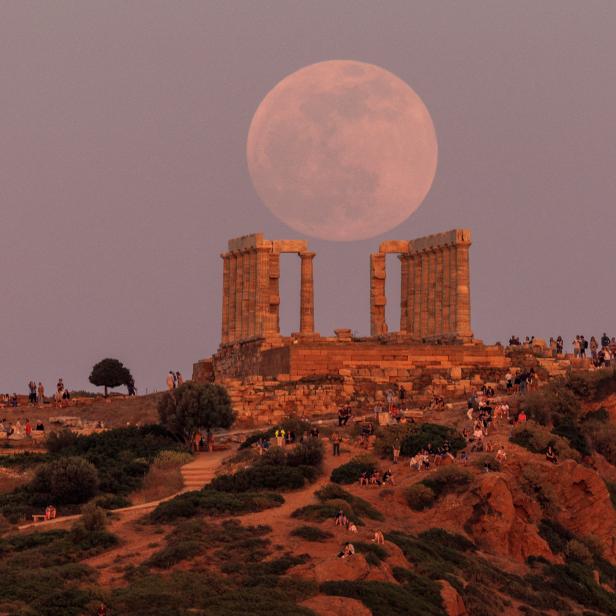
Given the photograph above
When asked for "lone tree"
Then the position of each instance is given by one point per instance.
(111, 373)
(193, 407)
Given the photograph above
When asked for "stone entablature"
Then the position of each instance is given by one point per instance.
(434, 286)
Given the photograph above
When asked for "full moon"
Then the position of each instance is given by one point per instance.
(342, 150)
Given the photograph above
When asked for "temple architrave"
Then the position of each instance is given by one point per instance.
(270, 375)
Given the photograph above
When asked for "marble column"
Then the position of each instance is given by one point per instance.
(233, 333)
(431, 254)
(453, 288)
(438, 292)
(262, 313)
(225, 298)
(274, 293)
(404, 292)
(446, 323)
(378, 326)
(417, 308)
(251, 256)
(425, 293)
(306, 311)
(463, 302)
(410, 294)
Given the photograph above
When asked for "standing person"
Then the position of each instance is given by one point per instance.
(59, 392)
(396, 451)
(594, 345)
(560, 345)
(28, 428)
(41, 394)
(605, 340)
(336, 443)
(170, 381)
(179, 378)
(576, 347)
(583, 346)
(32, 394)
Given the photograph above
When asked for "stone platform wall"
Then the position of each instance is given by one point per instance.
(312, 378)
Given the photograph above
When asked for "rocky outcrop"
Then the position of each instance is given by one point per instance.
(584, 504)
(452, 601)
(324, 605)
(501, 525)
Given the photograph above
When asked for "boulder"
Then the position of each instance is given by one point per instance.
(452, 601)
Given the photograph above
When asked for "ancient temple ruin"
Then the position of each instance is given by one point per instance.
(434, 287)
(270, 375)
(250, 293)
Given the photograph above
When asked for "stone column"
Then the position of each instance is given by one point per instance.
(431, 254)
(251, 256)
(410, 294)
(418, 302)
(425, 296)
(233, 282)
(438, 293)
(453, 288)
(378, 326)
(239, 289)
(262, 314)
(306, 310)
(225, 298)
(446, 323)
(404, 292)
(274, 293)
(245, 293)
(463, 300)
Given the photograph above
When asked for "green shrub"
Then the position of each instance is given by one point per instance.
(551, 402)
(311, 533)
(555, 534)
(448, 479)
(384, 599)
(611, 488)
(360, 506)
(214, 503)
(173, 554)
(536, 439)
(592, 386)
(419, 497)
(170, 458)
(112, 501)
(58, 441)
(373, 549)
(422, 435)
(447, 539)
(568, 428)
(600, 415)
(70, 480)
(602, 436)
(316, 513)
(352, 470)
(487, 460)
(260, 477)
(309, 453)
(93, 518)
(576, 551)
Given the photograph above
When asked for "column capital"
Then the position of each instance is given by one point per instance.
(307, 255)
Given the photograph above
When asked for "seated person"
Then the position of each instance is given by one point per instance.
(351, 527)
(550, 455)
(388, 477)
(363, 479)
(378, 537)
(501, 454)
(347, 550)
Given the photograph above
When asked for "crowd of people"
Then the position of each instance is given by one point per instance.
(174, 380)
(21, 428)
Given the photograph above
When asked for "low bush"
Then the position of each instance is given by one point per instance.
(170, 458)
(611, 488)
(552, 402)
(352, 470)
(602, 437)
(436, 435)
(448, 479)
(173, 554)
(592, 386)
(419, 497)
(317, 513)
(569, 429)
(536, 438)
(384, 599)
(93, 518)
(214, 503)
(70, 480)
(311, 533)
(260, 477)
(112, 501)
(360, 506)
(600, 415)
(377, 551)
(447, 539)
(489, 461)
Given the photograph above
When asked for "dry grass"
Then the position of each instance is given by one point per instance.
(158, 483)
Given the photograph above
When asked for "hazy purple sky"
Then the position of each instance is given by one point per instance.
(123, 173)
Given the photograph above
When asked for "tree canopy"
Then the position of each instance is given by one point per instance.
(193, 407)
(110, 373)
